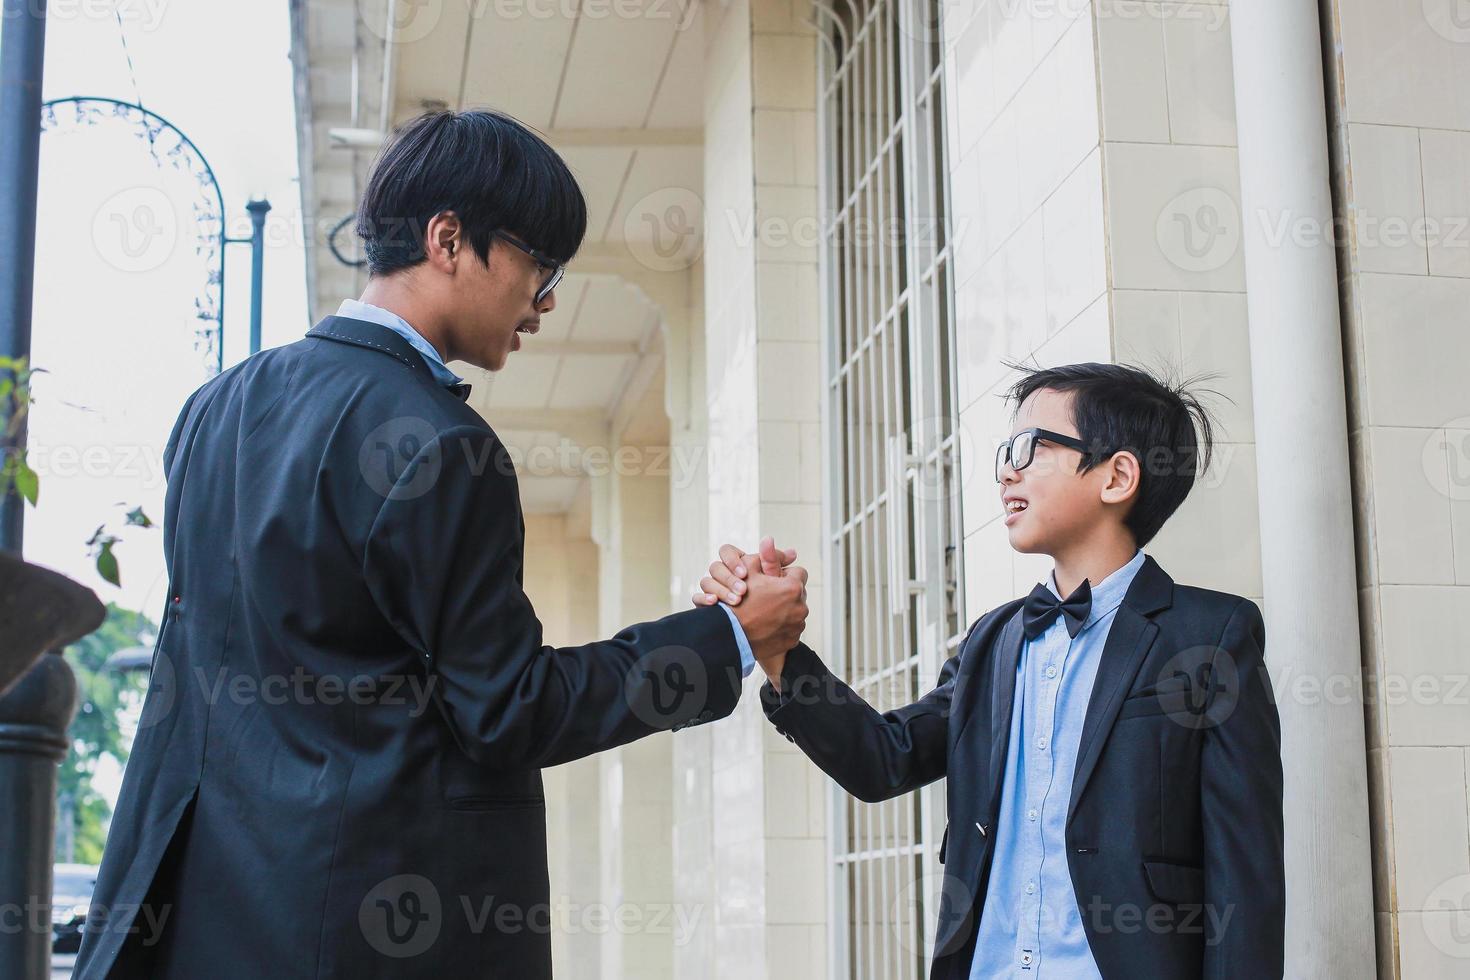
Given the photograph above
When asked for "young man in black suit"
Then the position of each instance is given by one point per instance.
(338, 768)
(1114, 780)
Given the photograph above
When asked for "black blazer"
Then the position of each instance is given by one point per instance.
(1174, 828)
(338, 769)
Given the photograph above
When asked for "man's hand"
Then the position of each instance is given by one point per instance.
(774, 594)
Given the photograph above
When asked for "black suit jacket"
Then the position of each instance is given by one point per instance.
(1174, 828)
(338, 769)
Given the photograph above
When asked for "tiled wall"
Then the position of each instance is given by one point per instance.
(744, 801)
(1094, 183)
(1402, 132)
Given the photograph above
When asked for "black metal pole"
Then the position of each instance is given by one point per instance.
(22, 54)
(258, 210)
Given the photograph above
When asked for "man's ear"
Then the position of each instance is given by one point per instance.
(443, 240)
(1124, 478)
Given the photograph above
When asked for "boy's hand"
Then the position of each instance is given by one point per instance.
(726, 579)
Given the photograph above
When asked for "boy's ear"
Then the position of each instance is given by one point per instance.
(1124, 478)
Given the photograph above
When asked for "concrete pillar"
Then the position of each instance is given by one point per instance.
(1307, 558)
(767, 804)
(631, 528)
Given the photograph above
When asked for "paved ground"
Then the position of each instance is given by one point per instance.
(61, 966)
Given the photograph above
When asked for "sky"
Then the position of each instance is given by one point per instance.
(117, 274)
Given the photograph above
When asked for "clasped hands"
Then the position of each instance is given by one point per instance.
(767, 593)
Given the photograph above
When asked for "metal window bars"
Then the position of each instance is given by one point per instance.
(891, 443)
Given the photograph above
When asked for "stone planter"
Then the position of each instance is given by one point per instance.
(40, 611)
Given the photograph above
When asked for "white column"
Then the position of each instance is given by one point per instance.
(1307, 556)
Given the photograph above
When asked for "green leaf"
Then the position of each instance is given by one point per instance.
(107, 564)
(27, 483)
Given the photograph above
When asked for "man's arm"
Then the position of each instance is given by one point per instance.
(443, 561)
(1242, 816)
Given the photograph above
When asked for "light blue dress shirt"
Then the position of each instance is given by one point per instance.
(1031, 926)
(355, 310)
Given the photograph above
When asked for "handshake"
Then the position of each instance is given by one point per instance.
(767, 594)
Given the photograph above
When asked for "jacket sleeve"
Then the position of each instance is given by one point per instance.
(1242, 810)
(443, 562)
(874, 756)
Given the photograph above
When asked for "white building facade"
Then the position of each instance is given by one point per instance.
(816, 230)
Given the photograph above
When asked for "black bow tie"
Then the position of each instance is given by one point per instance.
(1042, 606)
(460, 391)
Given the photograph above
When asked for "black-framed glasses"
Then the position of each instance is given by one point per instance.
(1020, 449)
(558, 269)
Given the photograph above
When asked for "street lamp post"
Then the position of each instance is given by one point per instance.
(22, 54)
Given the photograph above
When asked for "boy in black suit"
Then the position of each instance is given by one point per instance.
(1113, 757)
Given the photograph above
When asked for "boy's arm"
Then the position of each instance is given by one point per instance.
(1241, 807)
(871, 755)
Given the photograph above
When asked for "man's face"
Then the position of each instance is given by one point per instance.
(1061, 505)
(494, 308)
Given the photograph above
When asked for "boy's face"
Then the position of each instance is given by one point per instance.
(1062, 506)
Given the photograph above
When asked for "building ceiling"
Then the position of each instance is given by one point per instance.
(614, 86)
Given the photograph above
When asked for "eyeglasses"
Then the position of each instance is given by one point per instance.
(542, 259)
(1020, 449)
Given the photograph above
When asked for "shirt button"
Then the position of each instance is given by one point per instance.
(1026, 958)
(1030, 888)
(1031, 813)
(1041, 742)
(1051, 672)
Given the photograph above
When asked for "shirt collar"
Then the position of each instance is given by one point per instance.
(355, 310)
(1107, 594)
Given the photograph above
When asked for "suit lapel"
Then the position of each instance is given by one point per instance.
(1127, 646)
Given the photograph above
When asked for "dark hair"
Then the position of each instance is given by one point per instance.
(1117, 407)
(486, 167)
